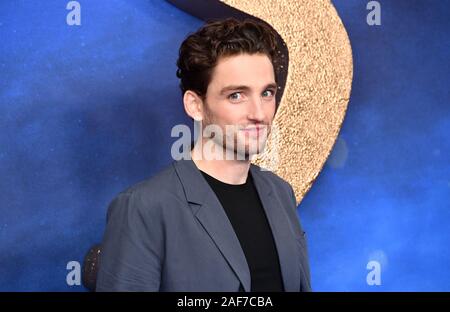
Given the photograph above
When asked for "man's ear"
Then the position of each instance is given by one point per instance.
(193, 105)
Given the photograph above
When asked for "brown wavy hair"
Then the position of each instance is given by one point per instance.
(200, 51)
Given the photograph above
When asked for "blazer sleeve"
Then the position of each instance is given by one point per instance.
(305, 283)
(132, 247)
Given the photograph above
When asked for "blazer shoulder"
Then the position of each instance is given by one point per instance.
(155, 189)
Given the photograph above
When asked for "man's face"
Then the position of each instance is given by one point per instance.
(240, 99)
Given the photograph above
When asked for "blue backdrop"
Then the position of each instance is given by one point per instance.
(86, 111)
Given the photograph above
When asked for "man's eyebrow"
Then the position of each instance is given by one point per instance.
(272, 85)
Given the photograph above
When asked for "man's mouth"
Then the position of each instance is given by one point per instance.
(256, 130)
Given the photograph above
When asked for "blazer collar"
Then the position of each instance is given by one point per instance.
(210, 213)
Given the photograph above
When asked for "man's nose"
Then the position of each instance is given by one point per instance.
(255, 110)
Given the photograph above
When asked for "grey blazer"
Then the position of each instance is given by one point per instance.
(170, 233)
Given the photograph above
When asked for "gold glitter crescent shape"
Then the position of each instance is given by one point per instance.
(317, 89)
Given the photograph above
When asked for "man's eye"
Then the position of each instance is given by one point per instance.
(268, 93)
(235, 96)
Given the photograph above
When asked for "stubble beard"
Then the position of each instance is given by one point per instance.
(231, 146)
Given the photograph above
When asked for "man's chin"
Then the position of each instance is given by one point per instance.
(250, 153)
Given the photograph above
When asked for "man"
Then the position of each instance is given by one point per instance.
(214, 221)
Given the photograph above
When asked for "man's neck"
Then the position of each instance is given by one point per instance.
(228, 171)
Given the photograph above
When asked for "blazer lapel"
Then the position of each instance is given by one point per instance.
(279, 223)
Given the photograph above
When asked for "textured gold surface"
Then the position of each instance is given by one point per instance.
(317, 90)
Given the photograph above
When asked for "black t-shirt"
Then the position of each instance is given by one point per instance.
(246, 214)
